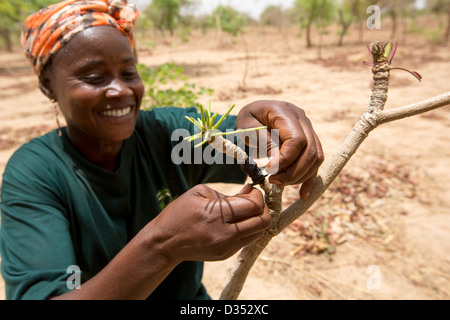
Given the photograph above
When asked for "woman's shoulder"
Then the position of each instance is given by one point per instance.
(37, 153)
(34, 170)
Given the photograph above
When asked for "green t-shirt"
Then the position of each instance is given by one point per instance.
(60, 210)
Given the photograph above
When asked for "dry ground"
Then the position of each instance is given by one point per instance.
(407, 235)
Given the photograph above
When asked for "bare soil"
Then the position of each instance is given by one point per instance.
(388, 209)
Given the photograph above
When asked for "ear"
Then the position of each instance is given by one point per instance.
(45, 84)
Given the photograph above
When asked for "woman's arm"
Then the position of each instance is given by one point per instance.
(136, 271)
(201, 225)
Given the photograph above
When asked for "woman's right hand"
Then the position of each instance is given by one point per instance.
(205, 225)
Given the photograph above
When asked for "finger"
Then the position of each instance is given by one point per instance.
(246, 190)
(262, 143)
(291, 177)
(258, 139)
(300, 170)
(320, 153)
(306, 188)
(308, 184)
(242, 206)
(254, 138)
(292, 143)
(253, 225)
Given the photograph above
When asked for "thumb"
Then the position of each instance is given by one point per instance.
(246, 190)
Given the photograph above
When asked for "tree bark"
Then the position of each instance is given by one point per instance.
(6, 35)
(447, 32)
(344, 29)
(308, 35)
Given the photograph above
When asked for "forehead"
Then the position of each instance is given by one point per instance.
(95, 43)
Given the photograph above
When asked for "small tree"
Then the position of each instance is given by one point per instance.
(166, 14)
(396, 9)
(273, 16)
(346, 16)
(359, 11)
(231, 21)
(228, 20)
(319, 12)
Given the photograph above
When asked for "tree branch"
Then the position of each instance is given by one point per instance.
(248, 255)
(366, 124)
(415, 108)
(370, 120)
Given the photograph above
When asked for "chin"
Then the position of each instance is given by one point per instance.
(118, 137)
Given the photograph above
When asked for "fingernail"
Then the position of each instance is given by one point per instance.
(247, 189)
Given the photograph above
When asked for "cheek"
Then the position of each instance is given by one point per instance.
(77, 103)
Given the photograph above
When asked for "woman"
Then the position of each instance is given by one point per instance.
(90, 197)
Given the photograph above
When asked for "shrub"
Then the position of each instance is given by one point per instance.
(158, 95)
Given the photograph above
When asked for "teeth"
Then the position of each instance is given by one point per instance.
(117, 113)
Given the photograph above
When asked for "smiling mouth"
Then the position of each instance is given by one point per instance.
(117, 113)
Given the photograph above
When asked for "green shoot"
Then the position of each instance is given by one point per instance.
(388, 49)
(209, 129)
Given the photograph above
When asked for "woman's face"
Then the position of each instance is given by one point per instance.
(98, 89)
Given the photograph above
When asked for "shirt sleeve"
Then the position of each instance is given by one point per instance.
(204, 165)
(35, 244)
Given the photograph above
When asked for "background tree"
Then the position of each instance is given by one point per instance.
(166, 14)
(228, 20)
(347, 13)
(12, 15)
(442, 8)
(359, 12)
(397, 9)
(318, 12)
(233, 22)
(273, 16)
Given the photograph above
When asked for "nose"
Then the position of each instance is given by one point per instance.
(117, 89)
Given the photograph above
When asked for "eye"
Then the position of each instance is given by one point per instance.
(93, 79)
(130, 74)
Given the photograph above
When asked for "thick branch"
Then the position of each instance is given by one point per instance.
(248, 255)
(244, 263)
(415, 108)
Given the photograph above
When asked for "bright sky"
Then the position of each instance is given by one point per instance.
(252, 7)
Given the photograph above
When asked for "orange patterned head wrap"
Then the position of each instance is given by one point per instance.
(48, 30)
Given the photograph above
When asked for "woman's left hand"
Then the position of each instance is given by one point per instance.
(297, 158)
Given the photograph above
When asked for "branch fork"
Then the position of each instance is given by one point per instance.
(383, 54)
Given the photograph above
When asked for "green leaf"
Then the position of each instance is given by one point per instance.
(216, 126)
